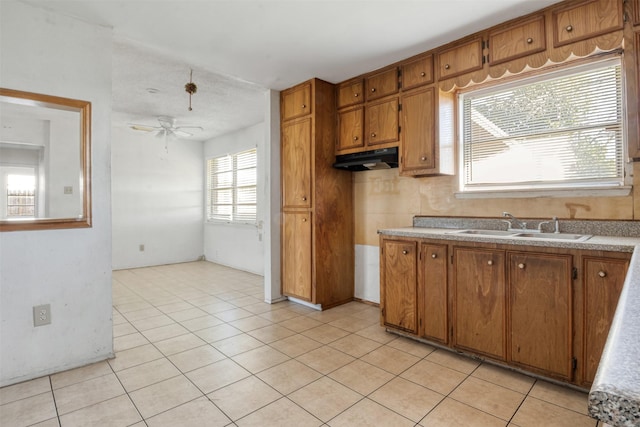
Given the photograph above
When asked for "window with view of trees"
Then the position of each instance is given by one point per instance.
(560, 130)
(231, 187)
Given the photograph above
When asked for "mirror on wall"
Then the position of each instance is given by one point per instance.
(45, 161)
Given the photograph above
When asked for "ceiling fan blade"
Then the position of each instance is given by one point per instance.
(182, 133)
(143, 128)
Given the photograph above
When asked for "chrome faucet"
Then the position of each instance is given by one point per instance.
(513, 220)
(555, 223)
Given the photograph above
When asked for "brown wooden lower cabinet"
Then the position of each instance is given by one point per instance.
(479, 301)
(603, 280)
(432, 292)
(398, 300)
(544, 310)
(540, 312)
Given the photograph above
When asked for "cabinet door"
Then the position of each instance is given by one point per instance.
(432, 291)
(540, 312)
(350, 129)
(586, 20)
(603, 280)
(418, 149)
(296, 255)
(382, 122)
(399, 299)
(296, 164)
(516, 41)
(460, 59)
(382, 84)
(296, 102)
(350, 93)
(417, 72)
(479, 301)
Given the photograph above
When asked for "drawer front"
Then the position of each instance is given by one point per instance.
(382, 84)
(350, 93)
(586, 20)
(461, 59)
(515, 42)
(296, 102)
(417, 72)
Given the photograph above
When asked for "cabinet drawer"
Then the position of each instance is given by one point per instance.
(381, 125)
(461, 59)
(417, 72)
(296, 102)
(350, 127)
(517, 41)
(382, 84)
(350, 93)
(586, 20)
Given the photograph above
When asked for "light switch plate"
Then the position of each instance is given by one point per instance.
(42, 315)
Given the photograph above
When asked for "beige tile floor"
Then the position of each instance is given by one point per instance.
(197, 346)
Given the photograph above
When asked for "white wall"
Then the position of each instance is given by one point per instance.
(156, 199)
(70, 269)
(367, 273)
(236, 245)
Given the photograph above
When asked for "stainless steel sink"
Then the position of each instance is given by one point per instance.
(568, 237)
(485, 232)
(553, 236)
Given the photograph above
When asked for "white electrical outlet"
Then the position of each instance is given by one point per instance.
(41, 315)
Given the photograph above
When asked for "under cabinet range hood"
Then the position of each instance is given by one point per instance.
(384, 158)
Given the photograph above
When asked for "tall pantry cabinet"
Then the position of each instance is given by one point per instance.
(317, 205)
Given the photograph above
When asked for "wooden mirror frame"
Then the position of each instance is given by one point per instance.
(84, 151)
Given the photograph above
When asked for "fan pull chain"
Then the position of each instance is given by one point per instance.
(190, 88)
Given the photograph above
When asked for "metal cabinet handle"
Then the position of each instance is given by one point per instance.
(602, 274)
(373, 89)
(373, 135)
(434, 256)
(569, 28)
(304, 198)
(304, 106)
(422, 74)
(447, 66)
(423, 158)
(355, 138)
(490, 262)
(521, 266)
(405, 252)
(529, 40)
(304, 219)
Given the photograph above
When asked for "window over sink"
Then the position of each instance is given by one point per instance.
(562, 130)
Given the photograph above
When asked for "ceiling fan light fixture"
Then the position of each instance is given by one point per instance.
(190, 88)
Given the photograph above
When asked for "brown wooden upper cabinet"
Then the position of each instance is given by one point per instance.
(515, 41)
(296, 102)
(381, 122)
(585, 20)
(350, 93)
(417, 72)
(350, 129)
(463, 58)
(382, 84)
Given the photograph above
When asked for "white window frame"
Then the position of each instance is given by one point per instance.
(235, 218)
(568, 188)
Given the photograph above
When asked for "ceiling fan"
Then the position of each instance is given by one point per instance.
(167, 128)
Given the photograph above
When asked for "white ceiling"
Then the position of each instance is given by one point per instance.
(240, 48)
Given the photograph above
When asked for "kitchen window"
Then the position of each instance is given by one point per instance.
(562, 130)
(231, 187)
